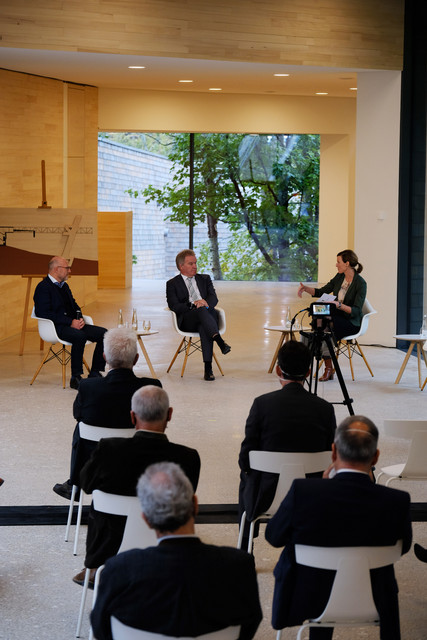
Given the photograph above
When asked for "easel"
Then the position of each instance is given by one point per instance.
(71, 232)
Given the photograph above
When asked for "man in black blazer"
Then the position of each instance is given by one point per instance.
(106, 401)
(53, 300)
(117, 463)
(290, 419)
(192, 297)
(347, 510)
(181, 587)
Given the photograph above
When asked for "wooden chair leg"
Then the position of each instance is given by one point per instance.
(349, 346)
(187, 352)
(175, 356)
(41, 364)
(217, 364)
(364, 359)
(63, 364)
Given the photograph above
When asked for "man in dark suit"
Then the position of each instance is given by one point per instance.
(347, 510)
(182, 587)
(290, 419)
(53, 300)
(106, 401)
(117, 463)
(192, 297)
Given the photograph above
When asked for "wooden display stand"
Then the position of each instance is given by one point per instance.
(114, 249)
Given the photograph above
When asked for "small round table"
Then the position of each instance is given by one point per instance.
(413, 339)
(285, 335)
(140, 334)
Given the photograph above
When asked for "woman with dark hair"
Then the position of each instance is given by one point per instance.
(349, 289)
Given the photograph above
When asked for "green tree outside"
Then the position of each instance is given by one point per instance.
(265, 188)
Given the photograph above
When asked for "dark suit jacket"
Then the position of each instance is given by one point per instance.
(355, 296)
(115, 467)
(178, 298)
(349, 510)
(182, 587)
(289, 419)
(49, 304)
(103, 402)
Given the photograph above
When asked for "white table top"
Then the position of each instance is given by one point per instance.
(413, 337)
(142, 332)
(281, 327)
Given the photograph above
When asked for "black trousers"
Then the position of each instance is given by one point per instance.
(205, 323)
(78, 338)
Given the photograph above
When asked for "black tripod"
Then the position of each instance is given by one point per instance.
(316, 338)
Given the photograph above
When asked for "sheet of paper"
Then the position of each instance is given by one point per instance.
(326, 297)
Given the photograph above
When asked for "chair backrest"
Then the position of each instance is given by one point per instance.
(289, 465)
(351, 595)
(367, 310)
(121, 631)
(416, 463)
(403, 428)
(137, 534)
(91, 432)
(46, 328)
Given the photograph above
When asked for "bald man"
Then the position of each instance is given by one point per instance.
(53, 300)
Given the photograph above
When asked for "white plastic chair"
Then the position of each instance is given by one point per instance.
(121, 631)
(94, 434)
(348, 345)
(351, 602)
(48, 333)
(137, 534)
(191, 340)
(415, 467)
(289, 466)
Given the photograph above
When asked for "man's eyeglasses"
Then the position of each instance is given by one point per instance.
(61, 267)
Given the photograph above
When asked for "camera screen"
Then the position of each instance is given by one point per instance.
(321, 309)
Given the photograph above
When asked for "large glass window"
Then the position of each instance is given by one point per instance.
(254, 201)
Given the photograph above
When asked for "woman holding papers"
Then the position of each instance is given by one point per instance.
(349, 291)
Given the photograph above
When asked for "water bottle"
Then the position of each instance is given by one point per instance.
(423, 330)
(120, 319)
(134, 320)
(288, 318)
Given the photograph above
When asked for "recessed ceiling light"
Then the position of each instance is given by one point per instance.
(321, 93)
(185, 80)
(215, 89)
(136, 67)
(281, 75)
(353, 88)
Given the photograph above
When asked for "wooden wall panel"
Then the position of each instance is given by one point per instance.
(115, 249)
(339, 33)
(31, 130)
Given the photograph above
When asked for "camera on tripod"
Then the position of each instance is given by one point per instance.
(321, 315)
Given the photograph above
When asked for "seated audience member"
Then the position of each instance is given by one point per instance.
(289, 419)
(192, 297)
(346, 510)
(181, 587)
(105, 401)
(53, 300)
(117, 463)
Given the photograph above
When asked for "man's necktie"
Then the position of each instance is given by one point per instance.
(191, 290)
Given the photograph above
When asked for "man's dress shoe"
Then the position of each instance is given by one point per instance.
(420, 552)
(225, 348)
(79, 578)
(75, 382)
(209, 375)
(64, 490)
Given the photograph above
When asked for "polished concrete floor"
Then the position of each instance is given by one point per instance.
(37, 597)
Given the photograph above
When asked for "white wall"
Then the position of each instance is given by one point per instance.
(376, 201)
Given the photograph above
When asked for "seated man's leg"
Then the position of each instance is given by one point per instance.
(78, 340)
(96, 334)
(104, 537)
